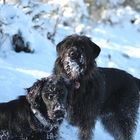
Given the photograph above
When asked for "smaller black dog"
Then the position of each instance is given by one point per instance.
(38, 115)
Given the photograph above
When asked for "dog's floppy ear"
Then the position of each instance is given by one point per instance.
(59, 47)
(34, 91)
(96, 49)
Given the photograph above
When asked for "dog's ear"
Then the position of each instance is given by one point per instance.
(95, 48)
(34, 91)
(59, 47)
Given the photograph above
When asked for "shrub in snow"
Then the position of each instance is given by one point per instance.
(19, 44)
(135, 4)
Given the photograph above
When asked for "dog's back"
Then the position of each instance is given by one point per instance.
(121, 88)
(120, 108)
(116, 78)
(13, 112)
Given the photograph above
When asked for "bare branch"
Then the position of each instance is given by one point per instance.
(4, 1)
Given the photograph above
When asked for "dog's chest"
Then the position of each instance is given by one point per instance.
(84, 103)
(40, 132)
(44, 135)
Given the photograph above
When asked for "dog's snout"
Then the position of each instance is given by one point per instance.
(59, 111)
(58, 106)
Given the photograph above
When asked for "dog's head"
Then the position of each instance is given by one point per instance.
(76, 54)
(48, 95)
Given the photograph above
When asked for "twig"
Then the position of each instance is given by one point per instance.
(4, 1)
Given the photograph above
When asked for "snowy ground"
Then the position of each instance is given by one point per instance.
(119, 44)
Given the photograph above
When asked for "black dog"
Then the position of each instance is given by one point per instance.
(111, 95)
(37, 115)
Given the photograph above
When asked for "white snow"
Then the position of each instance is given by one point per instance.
(119, 42)
(74, 69)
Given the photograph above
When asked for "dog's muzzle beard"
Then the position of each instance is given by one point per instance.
(57, 114)
(74, 69)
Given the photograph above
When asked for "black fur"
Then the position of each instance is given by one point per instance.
(109, 94)
(18, 121)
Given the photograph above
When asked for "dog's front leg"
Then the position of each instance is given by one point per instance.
(85, 132)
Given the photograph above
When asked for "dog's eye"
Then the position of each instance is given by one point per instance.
(50, 96)
(73, 54)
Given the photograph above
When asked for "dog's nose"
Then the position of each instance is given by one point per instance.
(58, 106)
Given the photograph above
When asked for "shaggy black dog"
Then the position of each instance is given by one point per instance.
(109, 94)
(38, 115)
